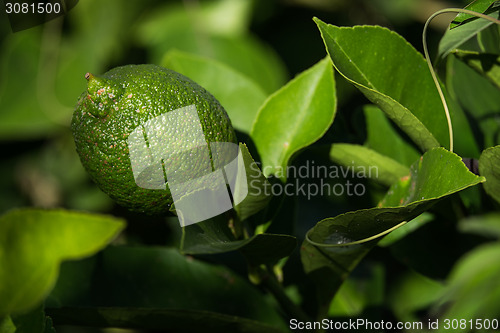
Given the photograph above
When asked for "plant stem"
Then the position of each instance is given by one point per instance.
(431, 68)
(271, 284)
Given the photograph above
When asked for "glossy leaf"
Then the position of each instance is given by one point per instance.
(238, 94)
(161, 284)
(489, 167)
(386, 170)
(485, 64)
(336, 245)
(391, 143)
(33, 243)
(294, 117)
(392, 75)
(479, 6)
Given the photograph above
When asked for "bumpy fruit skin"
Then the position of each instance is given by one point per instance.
(118, 101)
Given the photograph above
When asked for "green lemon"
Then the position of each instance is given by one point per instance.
(136, 126)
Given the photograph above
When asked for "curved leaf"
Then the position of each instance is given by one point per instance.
(336, 245)
(479, 6)
(238, 94)
(392, 75)
(294, 117)
(489, 167)
(33, 243)
(485, 64)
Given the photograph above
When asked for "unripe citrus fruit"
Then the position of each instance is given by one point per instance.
(133, 102)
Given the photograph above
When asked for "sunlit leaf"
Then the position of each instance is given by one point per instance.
(392, 75)
(294, 117)
(33, 243)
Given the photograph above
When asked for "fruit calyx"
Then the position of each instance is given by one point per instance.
(102, 96)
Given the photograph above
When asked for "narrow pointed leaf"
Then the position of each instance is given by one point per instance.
(294, 117)
(489, 167)
(479, 6)
(33, 243)
(238, 94)
(392, 75)
(386, 170)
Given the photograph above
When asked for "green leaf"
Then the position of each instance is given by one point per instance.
(363, 159)
(489, 167)
(480, 100)
(391, 143)
(453, 38)
(257, 198)
(336, 245)
(171, 320)
(294, 117)
(238, 94)
(487, 65)
(33, 243)
(487, 225)
(214, 236)
(392, 75)
(479, 6)
(159, 283)
(472, 289)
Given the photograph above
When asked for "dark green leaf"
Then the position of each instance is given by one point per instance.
(479, 98)
(363, 159)
(214, 236)
(392, 75)
(489, 167)
(294, 117)
(238, 94)
(162, 281)
(170, 320)
(336, 245)
(390, 144)
(406, 229)
(33, 243)
(485, 64)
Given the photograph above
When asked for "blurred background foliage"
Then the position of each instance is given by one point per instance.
(42, 75)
